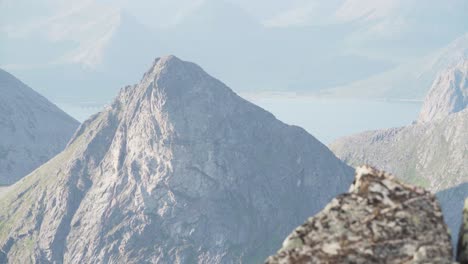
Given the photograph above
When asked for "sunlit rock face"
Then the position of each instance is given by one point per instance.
(448, 94)
(380, 220)
(178, 169)
(32, 129)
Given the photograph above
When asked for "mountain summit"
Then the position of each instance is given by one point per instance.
(32, 129)
(178, 169)
(448, 94)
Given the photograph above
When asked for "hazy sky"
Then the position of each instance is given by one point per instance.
(247, 44)
(81, 21)
(82, 52)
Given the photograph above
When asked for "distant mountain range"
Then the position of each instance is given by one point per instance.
(178, 169)
(410, 80)
(32, 129)
(98, 47)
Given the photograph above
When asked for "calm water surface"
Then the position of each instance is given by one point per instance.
(329, 119)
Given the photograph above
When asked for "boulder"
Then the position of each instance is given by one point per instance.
(380, 220)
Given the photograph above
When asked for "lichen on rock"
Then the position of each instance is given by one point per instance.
(380, 220)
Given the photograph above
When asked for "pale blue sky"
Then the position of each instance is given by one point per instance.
(297, 45)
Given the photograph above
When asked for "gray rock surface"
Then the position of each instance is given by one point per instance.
(462, 248)
(178, 169)
(380, 220)
(32, 129)
(448, 94)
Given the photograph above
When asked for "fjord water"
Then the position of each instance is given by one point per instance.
(325, 118)
(328, 119)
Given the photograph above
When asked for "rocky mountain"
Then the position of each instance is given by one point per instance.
(449, 94)
(380, 220)
(432, 153)
(32, 129)
(178, 169)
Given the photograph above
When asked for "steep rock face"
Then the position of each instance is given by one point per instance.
(380, 220)
(448, 94)
(462, 249)
(32, 129)
(179, 169)
(432, 155)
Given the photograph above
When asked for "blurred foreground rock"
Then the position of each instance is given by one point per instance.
(462, 254)
(380, 220)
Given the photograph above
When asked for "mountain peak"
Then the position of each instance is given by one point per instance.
(166, 62)
(448, 94)
(170, 71)
(179, 169)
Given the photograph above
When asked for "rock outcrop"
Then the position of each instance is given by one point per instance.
(462, 247)
(178, 169)
(380, 220)
(32, 129)
(448, 94)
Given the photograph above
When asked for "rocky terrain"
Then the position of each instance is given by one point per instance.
(32, 129)
(449, 94)
(380, 220)
(432, 152)
(178, 169)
